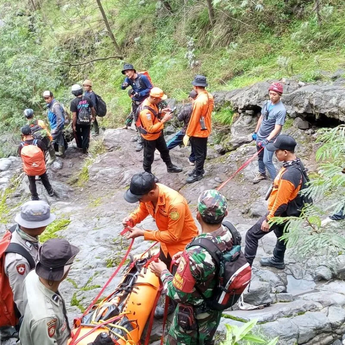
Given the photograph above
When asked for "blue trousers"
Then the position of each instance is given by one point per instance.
(265, 162)
(178, 140)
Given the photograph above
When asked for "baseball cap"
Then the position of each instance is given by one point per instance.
(54, 258)
(283, 142)
(47, 93)
(34, 214)
(140, 185)
(212, 206)
(26, 130)
(158, 93)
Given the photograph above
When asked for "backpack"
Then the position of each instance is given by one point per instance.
(84, 113)
(8, 311)
(138, 123)
(33, 159)
(39, 133)
(100, 106)
(233, 271)
(146, 74)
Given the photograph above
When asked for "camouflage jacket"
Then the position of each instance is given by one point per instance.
(196, 268)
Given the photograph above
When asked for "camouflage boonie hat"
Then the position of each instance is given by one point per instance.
(212, 205)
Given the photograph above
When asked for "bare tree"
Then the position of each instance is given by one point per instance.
(110, 33)
(210, 12)
(317, 9)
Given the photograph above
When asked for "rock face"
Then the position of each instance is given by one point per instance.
(314, 101)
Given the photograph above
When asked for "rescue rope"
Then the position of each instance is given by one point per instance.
(239, 169)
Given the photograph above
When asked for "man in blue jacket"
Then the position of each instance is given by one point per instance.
(141, 87)
(56, 117)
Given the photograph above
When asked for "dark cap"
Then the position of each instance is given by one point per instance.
(199, 80)
(212, 206)
(26, 130)
(34, 214)
(140, 185)
(127, 67)
(283, 142)
(193, 94)
(53, 257)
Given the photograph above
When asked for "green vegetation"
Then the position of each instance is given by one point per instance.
(53, 228)
(54, 44)
(244, 335)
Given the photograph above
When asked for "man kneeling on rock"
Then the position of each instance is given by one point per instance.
(284, 201)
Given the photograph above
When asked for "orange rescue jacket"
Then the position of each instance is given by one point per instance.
(176, 226)
(202, 107)
(151, 123)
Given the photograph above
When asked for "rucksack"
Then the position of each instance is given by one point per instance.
(39, 133)
(146, 74)
(306, 198)
(84, 113)
(137, 119)
(233, 271)
(8, 311)
(33, 159)
(100, 106)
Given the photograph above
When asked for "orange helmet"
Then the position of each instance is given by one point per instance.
(158, 93)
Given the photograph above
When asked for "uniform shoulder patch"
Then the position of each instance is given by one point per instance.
(148, 116)
(174, 215)
(21, 269)
(51, 327)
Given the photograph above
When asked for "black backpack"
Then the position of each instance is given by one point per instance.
(84, 113)
(233, 271)
(100, 106)
(137, 119)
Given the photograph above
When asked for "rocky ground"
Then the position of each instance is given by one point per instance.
(303, 304)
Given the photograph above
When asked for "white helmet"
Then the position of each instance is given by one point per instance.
(77, 90)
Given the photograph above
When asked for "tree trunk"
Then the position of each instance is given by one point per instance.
(318, 11)
(167, 5)
(110, 33)
(210, 11)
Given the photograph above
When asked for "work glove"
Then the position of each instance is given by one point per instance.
(254, 136)
(263, 143)
(185, 140)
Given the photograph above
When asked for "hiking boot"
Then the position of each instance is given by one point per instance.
(193, 173)
(159, 311)
(138, 147)
(272, 262)
(51, 193)
(194, 178)
(174, 169)
(259, 177)
(61, 152)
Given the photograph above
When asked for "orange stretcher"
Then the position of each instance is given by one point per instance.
(126, 311)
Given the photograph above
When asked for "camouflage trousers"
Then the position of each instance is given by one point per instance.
(207, 324)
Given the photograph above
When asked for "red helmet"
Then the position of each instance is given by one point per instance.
(276, 87)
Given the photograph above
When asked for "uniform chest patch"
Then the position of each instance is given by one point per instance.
(21, 269)
(174, 215)
(148, 116)
(183, 278)
(51, 327)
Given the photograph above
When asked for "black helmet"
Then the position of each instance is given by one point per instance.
(77, 90)
(29, 113)
(128, 66)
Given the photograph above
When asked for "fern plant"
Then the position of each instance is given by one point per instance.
(307, 234)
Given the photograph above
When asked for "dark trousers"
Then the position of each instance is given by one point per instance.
(95, 126)
(149, 152)
(199, 147)
(32, 185)
(254, 234)
(82, 137)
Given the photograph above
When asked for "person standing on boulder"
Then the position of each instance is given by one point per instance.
(284, 201)
(56, 117)
(152, 122)
(88, 92)
(141, 86)
(267, 129)
(199, 127)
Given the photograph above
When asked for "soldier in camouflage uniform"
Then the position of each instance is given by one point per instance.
(193, 322)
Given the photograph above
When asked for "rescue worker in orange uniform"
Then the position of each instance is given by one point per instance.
(199, 127)
(170, 210)
(150, 125)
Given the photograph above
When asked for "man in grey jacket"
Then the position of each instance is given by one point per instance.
(31, 222)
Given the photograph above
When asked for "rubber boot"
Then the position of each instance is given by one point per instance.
(52, 156)
(272, 262)
(61, 152)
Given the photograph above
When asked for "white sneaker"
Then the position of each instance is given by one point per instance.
(191, 163)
